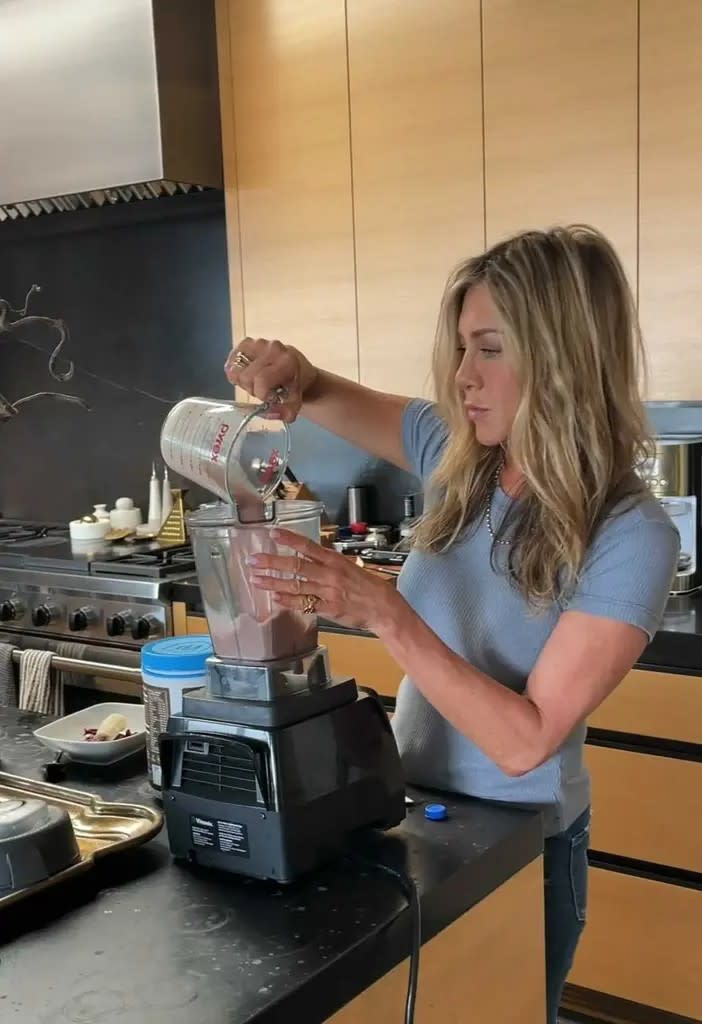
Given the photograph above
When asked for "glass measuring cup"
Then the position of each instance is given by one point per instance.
(228, 448)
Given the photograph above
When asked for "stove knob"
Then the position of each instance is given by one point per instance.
(43, 615)
(145, 626)
(81, 619)
(11, 610)
(118, 624)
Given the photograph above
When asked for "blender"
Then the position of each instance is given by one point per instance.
(269, 768)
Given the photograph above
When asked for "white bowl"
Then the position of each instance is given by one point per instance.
(81, 531)
(66, 734)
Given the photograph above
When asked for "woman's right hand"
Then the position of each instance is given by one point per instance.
(271, 371)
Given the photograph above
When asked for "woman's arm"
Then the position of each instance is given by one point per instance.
(371, 420)
(582, 662)
(584, 659)
(613, 610)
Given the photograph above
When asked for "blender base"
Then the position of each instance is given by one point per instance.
(285, 710)
(277, 802)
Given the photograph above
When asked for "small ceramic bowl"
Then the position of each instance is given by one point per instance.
(66, 735)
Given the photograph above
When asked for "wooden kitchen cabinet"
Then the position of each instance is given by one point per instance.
(646, 807)
(642, 943)
(365, 658)
(670, 203)
(665, 705)
(287, 160)
(368, 146)
(416, 126)
(560, 80)
(488, 966)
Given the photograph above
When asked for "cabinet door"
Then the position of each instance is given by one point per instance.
(646, 807)
(416, 125)
(365, 659)
(288, 174)
(487, 966)
(662, 704)
(642, 943)
(561, 117)
(670, 255)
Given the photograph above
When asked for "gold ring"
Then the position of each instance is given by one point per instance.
(241, 361)
(309, 604)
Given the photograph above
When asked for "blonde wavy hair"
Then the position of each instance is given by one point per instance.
(572, 334)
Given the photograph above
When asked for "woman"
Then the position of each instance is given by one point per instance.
(541, 566)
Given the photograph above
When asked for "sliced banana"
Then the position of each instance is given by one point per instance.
(111, 727)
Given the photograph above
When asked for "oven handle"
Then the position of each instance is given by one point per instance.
(89, 668)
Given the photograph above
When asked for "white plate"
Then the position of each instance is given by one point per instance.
(66, 734)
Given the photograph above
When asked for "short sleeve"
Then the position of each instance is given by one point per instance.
(424, 436)
(630, 567)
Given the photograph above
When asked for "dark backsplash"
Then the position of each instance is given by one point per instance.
(143, 290)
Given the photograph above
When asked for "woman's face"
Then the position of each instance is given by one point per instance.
(486, 381)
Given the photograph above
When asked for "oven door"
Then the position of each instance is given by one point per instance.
(89, 685)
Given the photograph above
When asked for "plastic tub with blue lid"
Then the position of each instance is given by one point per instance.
(169, 667)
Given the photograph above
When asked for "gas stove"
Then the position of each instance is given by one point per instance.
(12, 532)
(112, 594)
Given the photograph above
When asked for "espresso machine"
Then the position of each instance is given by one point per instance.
(674, 475)
(270, 768)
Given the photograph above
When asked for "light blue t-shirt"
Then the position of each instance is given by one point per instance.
(480, 615)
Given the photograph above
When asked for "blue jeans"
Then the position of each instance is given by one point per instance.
(565, 894)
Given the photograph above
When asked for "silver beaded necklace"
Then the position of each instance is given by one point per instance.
(488, 506)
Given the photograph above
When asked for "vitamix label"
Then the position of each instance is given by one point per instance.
(224, 836)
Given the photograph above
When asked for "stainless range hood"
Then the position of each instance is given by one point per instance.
(106, 101)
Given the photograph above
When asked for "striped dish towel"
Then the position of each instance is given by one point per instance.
(8, 681)
(37, 691)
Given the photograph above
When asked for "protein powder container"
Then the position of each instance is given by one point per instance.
(169, 668)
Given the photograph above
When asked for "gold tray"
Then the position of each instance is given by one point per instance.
(101, 828)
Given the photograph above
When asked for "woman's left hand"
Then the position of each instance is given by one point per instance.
(322, 581)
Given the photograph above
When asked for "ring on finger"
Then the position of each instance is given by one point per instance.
(310, 603)
(278, 395)
(241, 361)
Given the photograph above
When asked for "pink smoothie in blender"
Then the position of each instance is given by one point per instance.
(245, 624)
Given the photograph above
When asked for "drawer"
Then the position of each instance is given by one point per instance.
(364, 658)
(646, 807)
(663, 704)
(642, 943)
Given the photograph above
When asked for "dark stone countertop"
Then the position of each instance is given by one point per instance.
(677, 646)
(144, 939)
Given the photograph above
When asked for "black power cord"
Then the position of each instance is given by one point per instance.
(409, 890)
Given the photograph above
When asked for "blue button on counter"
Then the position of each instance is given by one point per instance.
(435, 812)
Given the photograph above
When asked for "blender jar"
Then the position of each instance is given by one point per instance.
(244, 622)
(228, 448)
